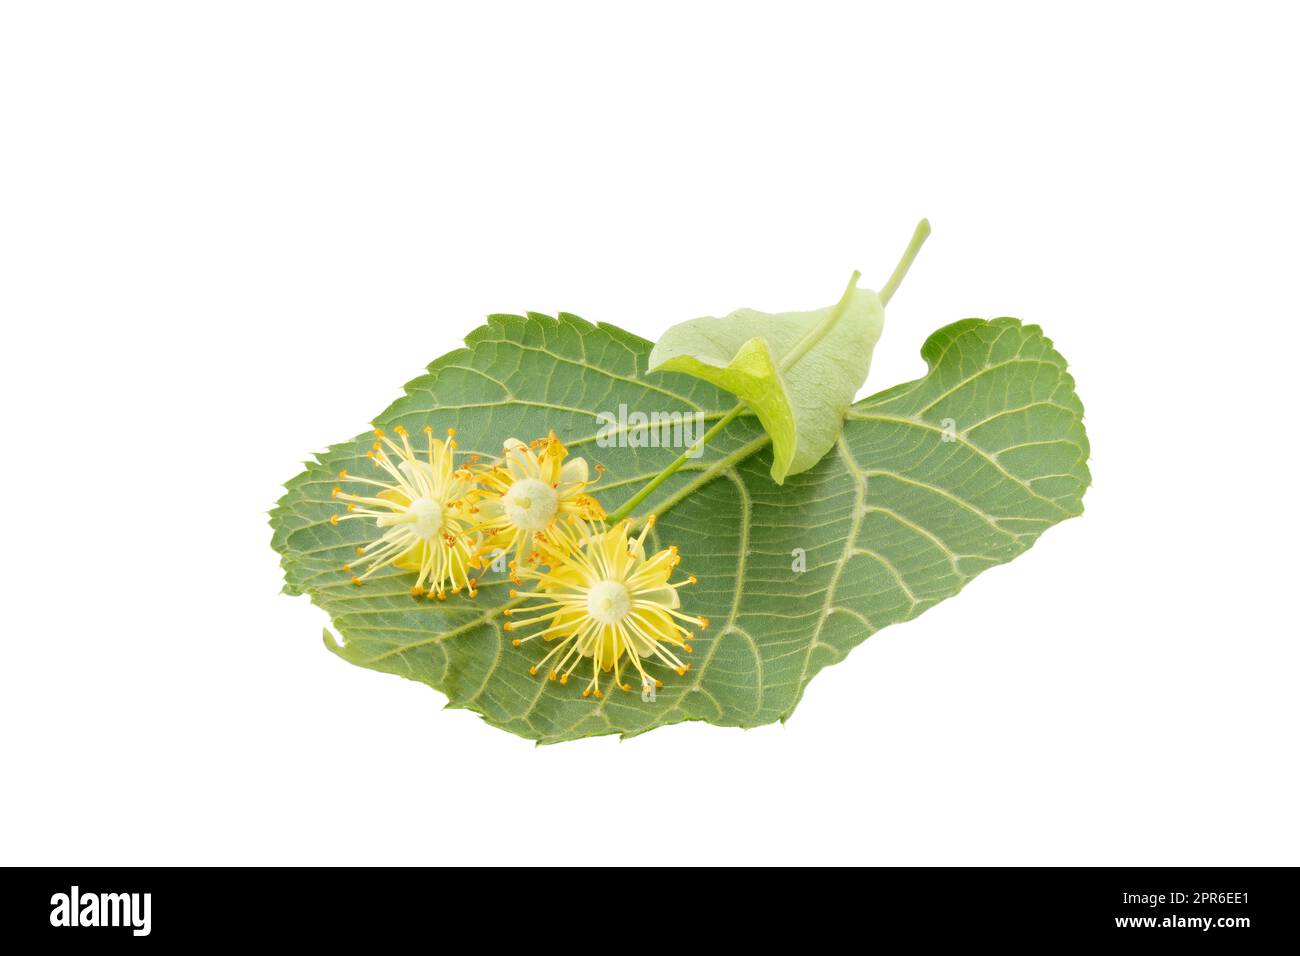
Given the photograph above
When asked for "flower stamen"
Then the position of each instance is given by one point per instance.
(530, 492)
(600, 598)
(420, 512)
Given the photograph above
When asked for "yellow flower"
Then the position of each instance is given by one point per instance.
(531, 490)
(424, 511)
(602, 598)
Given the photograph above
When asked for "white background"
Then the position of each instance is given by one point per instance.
(229, 232)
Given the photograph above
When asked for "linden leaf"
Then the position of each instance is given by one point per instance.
(930, 483)
(801, 407)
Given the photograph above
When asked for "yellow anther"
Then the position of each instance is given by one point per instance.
(356, 581)
(585, 594)
(516, 642)
(417, 591)
(334, 519)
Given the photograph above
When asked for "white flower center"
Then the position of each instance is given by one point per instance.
(531, 504)
(427, 518)
(609, 601)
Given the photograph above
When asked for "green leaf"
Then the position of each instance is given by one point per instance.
(930, 483)
(801, 407)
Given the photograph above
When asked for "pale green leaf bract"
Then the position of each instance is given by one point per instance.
(930, 483)
(802, 409)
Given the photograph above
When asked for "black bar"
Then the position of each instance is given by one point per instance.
(429, 907)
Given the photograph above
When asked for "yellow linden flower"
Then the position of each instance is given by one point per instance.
(528, 492)
(603, 598)
(424, 511)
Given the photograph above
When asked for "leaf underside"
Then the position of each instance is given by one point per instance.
(930, 483)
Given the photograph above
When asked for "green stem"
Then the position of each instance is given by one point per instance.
(919, 235)
(800, 349)
(817, 332)
(626, 507)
